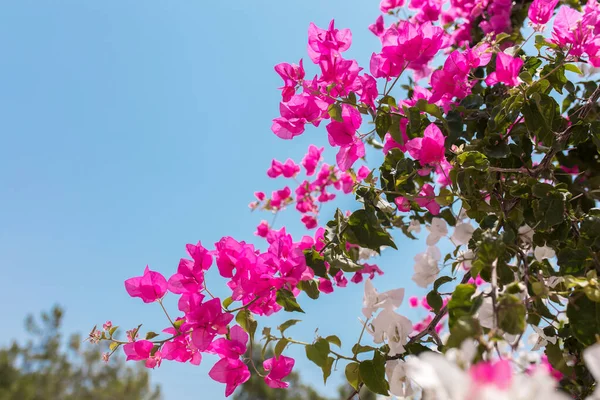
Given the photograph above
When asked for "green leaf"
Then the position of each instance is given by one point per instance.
(414, 118)
(573, 260)
(316, 262)
(112, 331)
(382, 124)
(290, 322)
(327, 369)
(310, 287)
(395, 129)
(584, 318)
(557, 359)
(434, 300)
(464, 327)
(511, 314)
(542, 117)
(549, 210)
(573, 68)
(246, 320)
(430, 109)
(280, 346)
(473, 160)
(334, 340)
(372, 373)
(177, 324)
(440, 281)
(151, 335)
(113, 346)
(318, 352)
(351, 373)
(501, 37)
(227, 302)
(460, 303)
(367, 230)
(335, 112)
(286, 299)
(359, 348)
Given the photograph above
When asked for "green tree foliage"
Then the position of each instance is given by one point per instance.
(50, 368)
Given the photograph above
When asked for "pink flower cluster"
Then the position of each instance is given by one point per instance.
(254, 278)
(579, 32)
(338, 78)
(407, 45)
(310, 193)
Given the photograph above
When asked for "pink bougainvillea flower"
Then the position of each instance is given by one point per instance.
(430, 148)
(149, 287)
(426, 199)
(292, 76)
(140, 350)
(262, 229)
(349, 154)
(568, 30)
(260, 196)
(362, 173)
(180, 349)
(230, 371)
(387, 5)
(207, 320)
(413, 301)
(232, 348)
(301, 109)
(507, 70)
(327, 43)
(343, 133)
(498, 374)
(402, 203)
(377, 27)
(190, 273)
(309, 221)
(540, 11)
(278, 368)
(325, 286)
(312, 158)
(406, 45)
(340, 279)
(368, 90)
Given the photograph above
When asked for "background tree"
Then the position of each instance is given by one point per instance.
(48, 367)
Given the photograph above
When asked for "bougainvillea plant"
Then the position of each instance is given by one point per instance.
(496, 152)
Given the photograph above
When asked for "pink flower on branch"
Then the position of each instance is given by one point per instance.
(149, 287)
(278, 368)
(230, 371)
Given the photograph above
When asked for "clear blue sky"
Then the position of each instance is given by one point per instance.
(131, 128)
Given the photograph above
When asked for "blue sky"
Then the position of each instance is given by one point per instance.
(132, 128)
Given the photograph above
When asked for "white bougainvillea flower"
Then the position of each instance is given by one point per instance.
(365, 254)
(372, 300)
(437, 230)
(543, 252)
(414, 226)
(441, 379)
(526, 234)
(542, 339)
(591, 356)
(466, 258)
(462, 233)
(395, 371)
(391, 327)
(426, 267)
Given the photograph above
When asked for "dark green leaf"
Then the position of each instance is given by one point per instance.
(286, 299)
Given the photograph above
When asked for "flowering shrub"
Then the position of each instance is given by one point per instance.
(478, 152)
